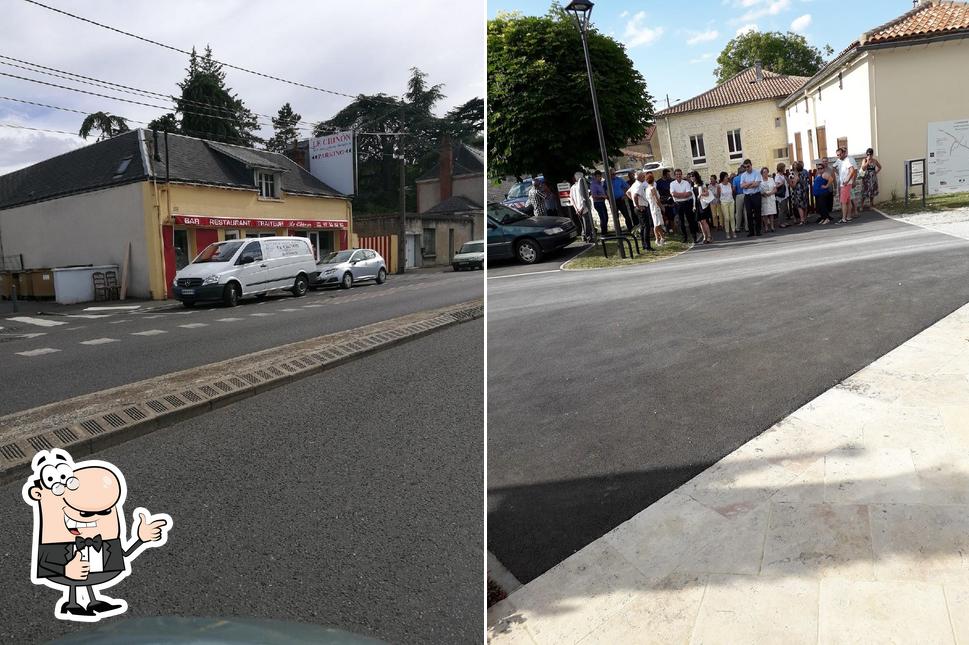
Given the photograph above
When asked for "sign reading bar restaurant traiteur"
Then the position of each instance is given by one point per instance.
(223, 222)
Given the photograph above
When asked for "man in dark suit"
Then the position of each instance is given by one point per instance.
(78, 528)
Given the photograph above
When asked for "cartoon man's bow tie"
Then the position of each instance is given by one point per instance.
(83, 543)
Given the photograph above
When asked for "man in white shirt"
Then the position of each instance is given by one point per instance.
(637, 193)
(750, 185)
(682, 192)
(847, 172)
(582, 203)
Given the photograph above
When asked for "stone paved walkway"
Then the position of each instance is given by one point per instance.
(847, 522)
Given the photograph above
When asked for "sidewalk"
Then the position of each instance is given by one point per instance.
(846, 522)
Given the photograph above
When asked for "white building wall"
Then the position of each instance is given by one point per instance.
(841, 106)
(914, 86)
(88, 228)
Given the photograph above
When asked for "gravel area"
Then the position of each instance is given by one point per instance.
(953, 222)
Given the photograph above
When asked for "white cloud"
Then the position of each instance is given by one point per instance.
(637, 33)
(801, 23)
(702, 36)
(746, 29)
(624, 14)
(750, 3)
(764, 9)
(702, 58)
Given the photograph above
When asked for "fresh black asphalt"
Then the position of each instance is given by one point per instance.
(29, 381)
(351, 499)
(609, 389)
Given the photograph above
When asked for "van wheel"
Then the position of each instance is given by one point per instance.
(230, 297)
(381, 276)
(301, 286)
(347, 280)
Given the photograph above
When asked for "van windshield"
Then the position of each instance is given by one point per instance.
(218, 252)
(335, 257)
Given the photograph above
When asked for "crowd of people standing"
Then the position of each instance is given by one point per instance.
(755, 201)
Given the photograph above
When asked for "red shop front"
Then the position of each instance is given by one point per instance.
(190, 234)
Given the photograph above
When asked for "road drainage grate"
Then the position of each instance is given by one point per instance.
(115, 421)
(174, 401)
(209, 391)
(238, 382)
(222, 385)
(92, 427)
(40, 443)
(156, 406)
(12, 452)
(252, 378)
(191, 396)
(135, 414)
(66, 435)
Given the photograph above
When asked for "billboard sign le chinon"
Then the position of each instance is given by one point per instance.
(333, 160)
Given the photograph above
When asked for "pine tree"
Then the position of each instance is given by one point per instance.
(209, 109)
(286, 133)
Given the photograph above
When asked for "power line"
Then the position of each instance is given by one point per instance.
(24, 127)
(138, 92)
(88, 80)
(182, 51)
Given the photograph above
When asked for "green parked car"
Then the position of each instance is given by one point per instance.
(513, 234)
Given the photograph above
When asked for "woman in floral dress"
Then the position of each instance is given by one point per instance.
(799, 193)
(869, 183)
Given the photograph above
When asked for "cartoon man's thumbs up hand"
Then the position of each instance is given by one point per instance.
(77, 569)
(153, 528)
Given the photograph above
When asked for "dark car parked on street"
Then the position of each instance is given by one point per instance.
(513, 234)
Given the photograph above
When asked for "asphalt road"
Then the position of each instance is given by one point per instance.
(609, 389)
(351, 499)
(500, 269)
(78, 355)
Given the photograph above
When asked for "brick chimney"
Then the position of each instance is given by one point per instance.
(759, 71)
(447, 168)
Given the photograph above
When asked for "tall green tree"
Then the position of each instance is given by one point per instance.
(285, 129)
(540, 117)
(465, 122)
(787, 53)
(165, 123)
(208, 107)
(107, 125)
(380, 120)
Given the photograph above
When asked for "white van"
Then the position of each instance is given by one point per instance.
(232, 269)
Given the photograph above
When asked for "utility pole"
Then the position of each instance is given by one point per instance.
(402, 225)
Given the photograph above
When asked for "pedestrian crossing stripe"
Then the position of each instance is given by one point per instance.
(40, 322)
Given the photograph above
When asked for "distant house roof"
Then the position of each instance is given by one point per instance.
(198, 161)
(454, 204)
(89, 168)
(741, 88)
(466, 161)
(930, 19)
(129, 157)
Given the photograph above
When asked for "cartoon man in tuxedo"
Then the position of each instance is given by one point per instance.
(79, 529)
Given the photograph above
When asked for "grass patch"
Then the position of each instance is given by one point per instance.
(934, 204)
(592, 258)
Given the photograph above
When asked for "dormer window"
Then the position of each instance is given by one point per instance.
(267, 184)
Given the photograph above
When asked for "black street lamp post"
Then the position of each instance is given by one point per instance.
(581, 10)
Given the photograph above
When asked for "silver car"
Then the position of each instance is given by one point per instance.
(344, 268)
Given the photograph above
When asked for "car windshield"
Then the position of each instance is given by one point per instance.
(472, 247)
(519, 190)
(335, 257)
(219, 252)
(505, 214)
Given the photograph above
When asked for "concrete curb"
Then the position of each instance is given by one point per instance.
(92, 422)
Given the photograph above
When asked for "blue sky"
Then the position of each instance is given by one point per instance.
(675, 45)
